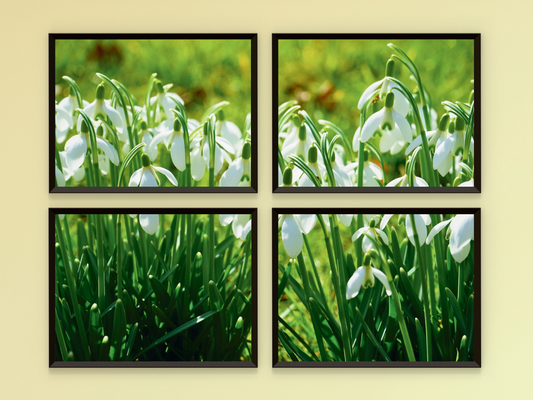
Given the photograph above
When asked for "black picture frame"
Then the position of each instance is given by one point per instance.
(52, 37)
(276, 37)
(53, 363)
(378, 364)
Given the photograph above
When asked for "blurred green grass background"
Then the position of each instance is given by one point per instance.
(203, 72)
(327, 77)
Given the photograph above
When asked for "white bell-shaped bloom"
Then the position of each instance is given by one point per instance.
(370, 171)
(229, 131)
(364, 277)
(223, 149)
(146, 176)
(64, 123)
(461, 231)
(77, 174)
(421, 222)
(166, 101)
(387, 119)
(241, 224)
(175, 142)
(373, 232)
(469, 183)
(392, 141)
(238, 173)
(293, 226)
(101, 108)
(298, 144)
(401, 105)
(149, 222)
(403, 181)
(76, 148)
(60, 178)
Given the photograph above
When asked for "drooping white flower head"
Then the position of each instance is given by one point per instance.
(241, 224)
(229, 131)
(292, 228)
(421, 222)
(175, 142)
(364, 277)
(64, 123)
(461, 232)
(401, 105)
(146, 176)
(238, 173)
(101, 108)
(403, 181)
(373, 232)
(387, 119)
(76, 148)
(149, 222)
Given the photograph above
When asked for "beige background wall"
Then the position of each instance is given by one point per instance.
(506, 218)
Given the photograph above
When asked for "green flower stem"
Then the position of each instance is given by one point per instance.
(143, 247)
(119, 257)
(60, 337)
(88, 172)
(343, 310)
(315, 271)
(427, 310)
(397, 303)
(69, 241)
(338, 294)
(101, 265)
(441, 269)
(58, 158)
(309, 298)
(188, 252)
(72, 289)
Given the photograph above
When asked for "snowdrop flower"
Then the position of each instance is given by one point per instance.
(387, 119)
(469, 183)
(146, 136)
(373, 232)
(364, 277)
(292, 228)
(76, 148)
(242, 224)
(100, 108)
(400, 106)
(200, 153)
(70, 103)
(147, 175)
(451, 146)
(77, 174)
(370, 171)
(149, 222)
(228, 130)
(175, 142)
(166, 101)
(461, 232)
(318, 169)
(64, 123)
(421, 220)
(403, 181)
(298, 144)
(392, 141)
(238, 173)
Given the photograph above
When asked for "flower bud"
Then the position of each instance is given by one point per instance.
(159, 87)
(177, 125)
(287, 177)
(312, 154)
(239, 323)
(100, 92)
(302, 133)
(246, 151)
(220, 115)
(144, 125)
(372, 223)
(444, 122)
(389, 69)
(84, 127)
(145, 160)
(389, 100)
(296, 121)
(459, 124)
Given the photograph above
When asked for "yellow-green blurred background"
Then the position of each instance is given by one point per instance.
(328, 77)
(203, 71)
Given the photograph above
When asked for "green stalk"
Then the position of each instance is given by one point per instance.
(212, 247)
(309, 298)
(427, 310)
(101, 266)
(72, 290)
(441, 269)
(119, 258)
(398, 307)
(347, 348)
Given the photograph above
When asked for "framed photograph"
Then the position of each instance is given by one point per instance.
(152, 287)
(153, 113)
(376, 113)
(376, 287)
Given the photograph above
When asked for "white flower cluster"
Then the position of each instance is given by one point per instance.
(117, 124)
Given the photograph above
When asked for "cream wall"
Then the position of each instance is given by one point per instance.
(507, 140)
